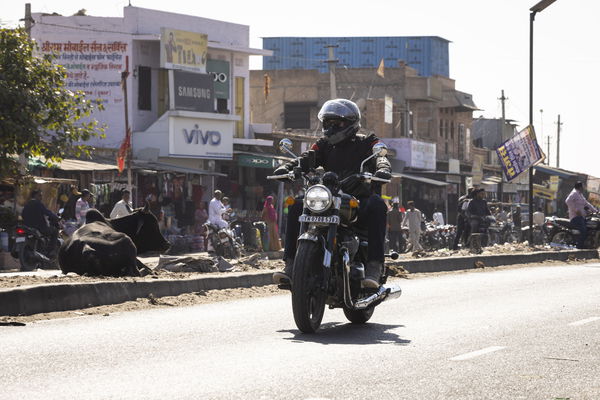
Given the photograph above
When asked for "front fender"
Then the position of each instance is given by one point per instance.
(313, 237)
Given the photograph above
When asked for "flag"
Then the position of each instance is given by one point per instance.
(123, 151)
(380, 69)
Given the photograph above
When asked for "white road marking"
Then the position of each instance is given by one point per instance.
(477, 353)
(584, 321)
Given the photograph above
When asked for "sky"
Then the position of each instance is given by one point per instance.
(489, 50)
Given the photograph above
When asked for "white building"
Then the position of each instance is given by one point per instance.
(177, 117)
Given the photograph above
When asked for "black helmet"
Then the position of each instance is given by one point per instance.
(340, 119)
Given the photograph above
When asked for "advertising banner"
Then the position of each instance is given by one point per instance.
(183, 50)
(519, 153)
(414, 153)
(192, 91)
(201, 138)
(219, 70)
(93, 65)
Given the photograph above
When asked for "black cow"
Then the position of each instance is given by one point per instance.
(109, 247)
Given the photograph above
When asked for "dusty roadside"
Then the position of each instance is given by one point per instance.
(212, 296)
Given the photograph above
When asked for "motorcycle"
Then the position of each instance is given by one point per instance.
(332, 251)
(33, 249)
(223, 242)
(563, 233)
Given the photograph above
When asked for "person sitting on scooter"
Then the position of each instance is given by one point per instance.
(34, 214)
(342, 150)
(216, 209)
(578, 208)
(478, 209)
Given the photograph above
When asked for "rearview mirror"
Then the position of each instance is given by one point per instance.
(285, 146)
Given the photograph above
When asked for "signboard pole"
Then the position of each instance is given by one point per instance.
(124, 76)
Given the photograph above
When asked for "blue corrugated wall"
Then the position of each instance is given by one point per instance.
(427, 54)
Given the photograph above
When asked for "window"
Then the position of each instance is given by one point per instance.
(297, 115)
(144, 88)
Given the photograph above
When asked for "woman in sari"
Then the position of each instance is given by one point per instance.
(269, 215)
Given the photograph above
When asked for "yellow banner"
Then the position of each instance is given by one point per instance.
(544, 192)
(183, 50)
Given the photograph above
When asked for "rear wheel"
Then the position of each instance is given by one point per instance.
(358, 316)
(308, 295)
(27, 256)
(562, 237)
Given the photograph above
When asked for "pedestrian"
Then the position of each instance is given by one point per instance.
(578, 209)
(438, 217)
(412, 220)
(517, 221)
(462, 228)
(395, 237)
(123, 207)
(269, 215)
(82, 206)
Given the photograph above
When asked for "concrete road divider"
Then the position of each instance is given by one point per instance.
(62, 297)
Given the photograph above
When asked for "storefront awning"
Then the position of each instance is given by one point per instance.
(555, 171)
(156, 166)
(421, 179)
(71, 164)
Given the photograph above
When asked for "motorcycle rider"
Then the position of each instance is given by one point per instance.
(477, 210)
(578, 208)
(34, 214)
(341, 150)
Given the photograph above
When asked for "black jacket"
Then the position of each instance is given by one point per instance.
(478, 207)
(345, 158)
(33, 215)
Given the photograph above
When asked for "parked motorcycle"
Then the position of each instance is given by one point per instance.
(332, 250)
(223, 242)
(33, 249)
(564, 233)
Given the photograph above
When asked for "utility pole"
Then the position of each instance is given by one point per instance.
(128, 153)
(28, 19)
(503, 122)
(548, 147)
(332, 61)
(558, 124)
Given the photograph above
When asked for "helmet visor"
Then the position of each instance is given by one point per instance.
(335, 124)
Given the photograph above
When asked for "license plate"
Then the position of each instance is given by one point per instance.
(19, 240)
(316, 219)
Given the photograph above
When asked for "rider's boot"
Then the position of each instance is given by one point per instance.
(372, 275)
(284, 277)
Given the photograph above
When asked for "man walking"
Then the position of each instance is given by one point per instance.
(82, 206)
(412, 220)
(578, 209)
(394, 218)
(462, 224)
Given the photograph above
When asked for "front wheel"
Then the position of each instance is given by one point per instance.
(358, 316)
(308, 293)
(563, 237)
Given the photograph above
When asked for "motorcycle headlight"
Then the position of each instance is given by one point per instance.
(318, 198)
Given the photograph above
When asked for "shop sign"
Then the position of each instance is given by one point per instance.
(414, 153)
(183, 50)
(192, 92)
(201, 138)
(543, 192)
(246, 160)
(219, 71)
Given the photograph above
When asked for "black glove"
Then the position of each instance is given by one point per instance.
(281, 171)
(383, 174)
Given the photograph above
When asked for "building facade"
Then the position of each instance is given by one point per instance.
(428, 55)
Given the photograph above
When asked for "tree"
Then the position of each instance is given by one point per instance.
(39, 115)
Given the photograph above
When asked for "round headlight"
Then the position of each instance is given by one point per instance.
(317, 198)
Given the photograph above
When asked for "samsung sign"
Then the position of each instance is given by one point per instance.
(201, 138)
(192, 91)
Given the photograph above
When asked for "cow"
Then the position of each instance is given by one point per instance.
(109, 247)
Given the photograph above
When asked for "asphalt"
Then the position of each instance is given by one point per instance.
(28, 300)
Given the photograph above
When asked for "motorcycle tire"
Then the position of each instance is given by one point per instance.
(27, 257)
(308, 297)
(563, 237)
(359, 316)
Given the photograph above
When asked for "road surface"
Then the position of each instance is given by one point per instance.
(528, 333)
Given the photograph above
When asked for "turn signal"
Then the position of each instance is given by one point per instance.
(353, 203)
(290, 201)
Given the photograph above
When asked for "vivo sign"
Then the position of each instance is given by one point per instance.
(196, 136)
(201, 138)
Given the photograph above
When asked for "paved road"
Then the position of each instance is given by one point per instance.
(531, 333)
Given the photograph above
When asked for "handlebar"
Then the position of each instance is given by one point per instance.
(367, 176)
